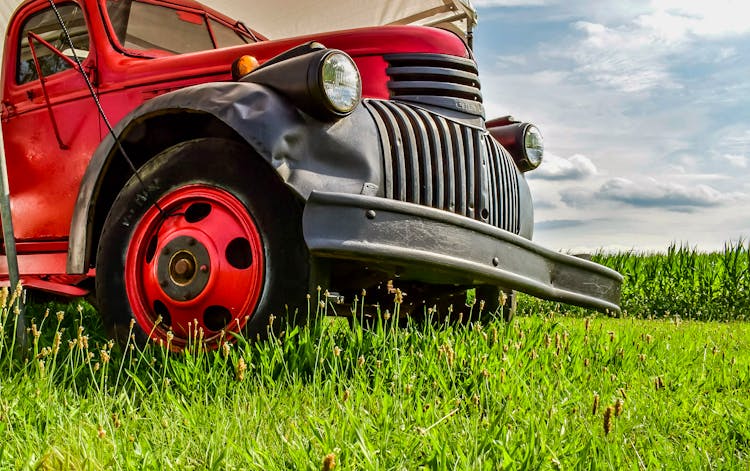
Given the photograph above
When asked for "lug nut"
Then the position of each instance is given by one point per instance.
(181, 267)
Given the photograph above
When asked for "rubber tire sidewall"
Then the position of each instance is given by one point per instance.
(231, 166)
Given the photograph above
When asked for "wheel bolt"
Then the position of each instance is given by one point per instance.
(181, 267)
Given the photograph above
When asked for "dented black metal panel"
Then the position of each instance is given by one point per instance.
(343, 156)
(415, 242)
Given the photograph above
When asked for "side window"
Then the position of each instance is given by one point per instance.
(151, 27)
(226, 36)
(45, 25)
(156, 27)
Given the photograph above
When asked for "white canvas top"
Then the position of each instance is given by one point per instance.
(285, 18)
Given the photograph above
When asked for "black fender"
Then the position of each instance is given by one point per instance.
(309, 155)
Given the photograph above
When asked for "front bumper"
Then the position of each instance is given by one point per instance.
(419, 243)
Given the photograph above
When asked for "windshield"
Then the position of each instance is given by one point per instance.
(151, 27)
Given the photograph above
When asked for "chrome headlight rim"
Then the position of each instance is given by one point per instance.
(340, 90)
(533, 146)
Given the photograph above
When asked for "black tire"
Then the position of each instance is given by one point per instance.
(223, 173)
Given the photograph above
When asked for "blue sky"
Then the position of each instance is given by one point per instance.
(645, 109)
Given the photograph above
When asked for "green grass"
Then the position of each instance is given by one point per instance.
(516, 396)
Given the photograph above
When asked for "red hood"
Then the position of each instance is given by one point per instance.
(365, 45)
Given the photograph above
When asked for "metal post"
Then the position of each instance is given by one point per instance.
(10, 243)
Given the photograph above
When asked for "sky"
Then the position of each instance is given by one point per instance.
(645, 110)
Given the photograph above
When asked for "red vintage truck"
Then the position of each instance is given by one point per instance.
(196, 175)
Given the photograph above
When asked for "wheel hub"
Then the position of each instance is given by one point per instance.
(177, 268)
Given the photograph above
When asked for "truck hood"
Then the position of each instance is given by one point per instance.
(366, 45)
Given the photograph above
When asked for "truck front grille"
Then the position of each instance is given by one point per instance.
(436, 162)
(435, 79)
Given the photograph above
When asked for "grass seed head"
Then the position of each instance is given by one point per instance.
(329, 462)
(608, 412)
(595, 406)
(618, 407)
(360, 361)
(241, 368)
(100, 431)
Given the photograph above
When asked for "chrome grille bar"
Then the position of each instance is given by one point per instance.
(437, 162)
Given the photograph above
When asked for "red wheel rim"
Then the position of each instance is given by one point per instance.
(198, 265)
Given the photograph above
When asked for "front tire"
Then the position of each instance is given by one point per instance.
(221, 252)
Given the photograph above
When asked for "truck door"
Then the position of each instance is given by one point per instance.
(50, 123)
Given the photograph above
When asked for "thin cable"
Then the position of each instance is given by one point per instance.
(99, 107)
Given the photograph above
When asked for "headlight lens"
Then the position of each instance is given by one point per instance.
(342, 85)
(534, 146)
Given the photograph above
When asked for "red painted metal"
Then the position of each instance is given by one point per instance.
(61, 288)
(44, 179)
(234, 289)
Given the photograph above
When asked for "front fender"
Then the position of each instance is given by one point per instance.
(309, 155)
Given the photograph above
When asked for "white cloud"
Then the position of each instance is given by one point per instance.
(650, 193)
(627, 57)
(717, 18)
(738, 161)
(575, 167)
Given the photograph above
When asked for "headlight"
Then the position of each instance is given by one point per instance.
(341, 83)
(324, 83)
(523, 141)
(533, 143)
